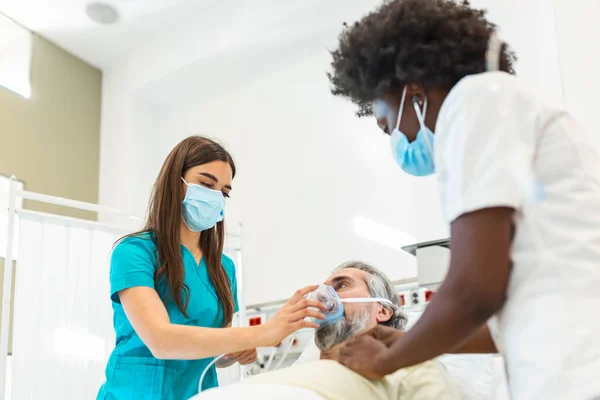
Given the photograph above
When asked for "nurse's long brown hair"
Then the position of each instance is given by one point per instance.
(164, 220)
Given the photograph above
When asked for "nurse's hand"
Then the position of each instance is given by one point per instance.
(291, 317)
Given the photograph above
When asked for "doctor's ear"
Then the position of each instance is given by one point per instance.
(384, 315)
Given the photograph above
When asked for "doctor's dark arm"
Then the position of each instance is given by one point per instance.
(474, 290)
(479, 342)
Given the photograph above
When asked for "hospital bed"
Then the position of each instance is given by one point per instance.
(476, 377)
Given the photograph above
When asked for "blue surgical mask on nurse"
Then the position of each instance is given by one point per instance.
(416, 157)
(202, 207)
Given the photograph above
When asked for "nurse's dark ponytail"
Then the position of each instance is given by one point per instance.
(164, 222)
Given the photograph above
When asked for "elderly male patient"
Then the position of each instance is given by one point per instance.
(326, 378)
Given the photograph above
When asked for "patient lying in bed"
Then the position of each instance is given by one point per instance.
(325, 378)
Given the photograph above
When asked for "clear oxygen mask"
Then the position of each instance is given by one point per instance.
(334, 304)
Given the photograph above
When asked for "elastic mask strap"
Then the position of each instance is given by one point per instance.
(185, 181)
(400, 109)
(421, 118)
(492, 54)
(368, 300)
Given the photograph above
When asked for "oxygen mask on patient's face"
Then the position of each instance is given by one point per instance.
(334, 304)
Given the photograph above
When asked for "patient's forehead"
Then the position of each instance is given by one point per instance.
(349, 278)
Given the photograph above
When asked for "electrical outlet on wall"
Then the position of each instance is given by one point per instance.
(416, 298)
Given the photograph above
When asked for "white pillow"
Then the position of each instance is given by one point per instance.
(499, 382)
(471, 374)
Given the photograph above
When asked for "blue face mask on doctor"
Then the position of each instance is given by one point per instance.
(203, 208)
(415, 158)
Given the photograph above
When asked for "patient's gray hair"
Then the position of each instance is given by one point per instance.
(379, 285)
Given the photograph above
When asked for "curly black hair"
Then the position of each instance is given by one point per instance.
(434, 43)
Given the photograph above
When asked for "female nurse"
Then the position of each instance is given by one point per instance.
(519, 183)
(174, 291)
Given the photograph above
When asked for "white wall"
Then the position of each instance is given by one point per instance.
(177, 70)
(530, 30)
(308, 168)
(578, 37)
(304, 176)
(129, 126)
(555, 42)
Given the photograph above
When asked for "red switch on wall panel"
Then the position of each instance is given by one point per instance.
(402, 300)
(429, 295)
(255, 321)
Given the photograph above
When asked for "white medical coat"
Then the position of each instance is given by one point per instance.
(496, 145)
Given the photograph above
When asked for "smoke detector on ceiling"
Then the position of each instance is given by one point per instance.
(102, 13)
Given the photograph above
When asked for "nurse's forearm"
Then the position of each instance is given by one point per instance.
(182, 342)
(148, 316)
(226, 362)
(451, 318)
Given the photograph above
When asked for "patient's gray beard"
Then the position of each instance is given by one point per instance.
(331, 335)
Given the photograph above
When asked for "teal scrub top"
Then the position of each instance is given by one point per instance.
(132, 372)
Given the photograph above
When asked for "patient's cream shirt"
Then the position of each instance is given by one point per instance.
(333, 381)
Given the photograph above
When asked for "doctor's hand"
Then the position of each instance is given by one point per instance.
(365, 355)
(291, 317)
(385, 334)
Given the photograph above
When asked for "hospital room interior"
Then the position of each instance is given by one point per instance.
(94, 95)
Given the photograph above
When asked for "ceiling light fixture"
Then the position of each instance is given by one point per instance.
(102, 13)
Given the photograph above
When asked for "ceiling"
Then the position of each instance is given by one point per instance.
(145, 22)
(66, 23)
